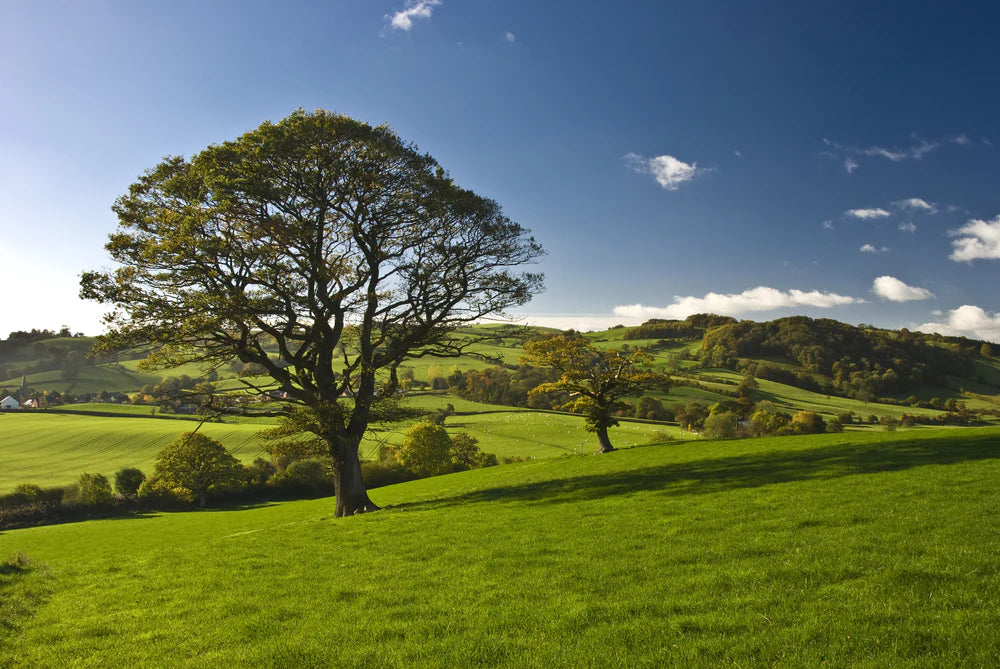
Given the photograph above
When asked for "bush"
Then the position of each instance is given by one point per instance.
(128, 480)
(27, 493)
(807, 422)
(91, 490)
(720, 425)
(659, 436)
(311, 477)
(260, 471)
(384, 472)
(465, 453)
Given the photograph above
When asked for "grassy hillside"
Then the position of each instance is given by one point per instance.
(862, 550)
(54, 449)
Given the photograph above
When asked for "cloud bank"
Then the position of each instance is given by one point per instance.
(977, 240)
(668, 171)
(761, 298)
(892, 289)
(967, 321)
(403, 19)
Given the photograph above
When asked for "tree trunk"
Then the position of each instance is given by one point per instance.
(352, 495)
(602, 438)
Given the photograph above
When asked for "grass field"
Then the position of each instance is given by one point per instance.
(859, 550)
(54, 449)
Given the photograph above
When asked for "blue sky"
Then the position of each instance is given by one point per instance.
(836, 159)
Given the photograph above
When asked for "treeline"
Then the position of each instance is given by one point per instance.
(692, 327)
(510, 387)
(837, 358)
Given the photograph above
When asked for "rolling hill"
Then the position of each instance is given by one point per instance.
(858, 549)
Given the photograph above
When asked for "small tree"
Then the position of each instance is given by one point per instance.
(808, 422)
(93, 489)
(199, 464)
(465, 453)
(720, 425)
(596, 379)
(426, 449)
(128, 480)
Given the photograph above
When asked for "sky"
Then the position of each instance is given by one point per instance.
(833, 159)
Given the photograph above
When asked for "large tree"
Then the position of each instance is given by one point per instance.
(596, 379)
(323, 249)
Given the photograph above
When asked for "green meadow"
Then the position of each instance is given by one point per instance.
(873, 549)
(54, 449)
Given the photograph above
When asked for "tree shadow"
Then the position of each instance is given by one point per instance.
(743, 471)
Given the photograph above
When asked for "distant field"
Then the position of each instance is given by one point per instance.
(529, 434)
(852, 550)
(54, 449)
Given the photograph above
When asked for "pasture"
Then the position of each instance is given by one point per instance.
(54, 449)
(858, 549)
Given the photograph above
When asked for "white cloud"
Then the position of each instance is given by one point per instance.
(977, 239)
(908, 227)
(761, 298)
(668, 171)
(892, 289)
(868, 248)
(868, 213)
(736, 152)
(850, 155)
(403, 19)
(509, 37)
(579, 322)
(894, 155)
(917, 204)
(828, 225)
(967, 321)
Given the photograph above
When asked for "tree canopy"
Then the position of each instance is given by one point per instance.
(323, 249)
(596, 379)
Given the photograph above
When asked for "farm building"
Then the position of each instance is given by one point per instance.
(8, 403)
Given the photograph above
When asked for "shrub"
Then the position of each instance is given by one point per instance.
(27, 493)
(465, 453)
(384, 472)
(91, 490)
(834, 425)
(309, 477)
(721, 425)
(128, 480)
(807, 422)
(260, 471)
(659, 436)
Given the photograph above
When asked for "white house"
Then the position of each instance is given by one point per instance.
(9, 403)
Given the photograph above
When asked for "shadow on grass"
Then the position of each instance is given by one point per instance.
(743, 471)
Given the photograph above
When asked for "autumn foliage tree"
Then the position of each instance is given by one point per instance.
(320, 248)
(597, 380)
